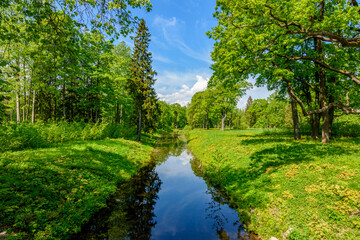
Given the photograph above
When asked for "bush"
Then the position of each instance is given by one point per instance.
(346, 125)
(27, 135)
(343, 126)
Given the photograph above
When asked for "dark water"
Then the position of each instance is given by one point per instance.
(166, 200)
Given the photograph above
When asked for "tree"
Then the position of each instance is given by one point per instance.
(141, 81)
(55, 58)
(226, 95)
(275, 39)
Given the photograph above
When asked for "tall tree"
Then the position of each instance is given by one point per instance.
(141, 81)
(271, 39)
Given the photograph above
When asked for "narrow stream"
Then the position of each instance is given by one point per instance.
(166, 200)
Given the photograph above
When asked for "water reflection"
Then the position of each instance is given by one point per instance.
(184, 208)
(130, 213)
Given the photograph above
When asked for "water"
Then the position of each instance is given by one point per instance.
(167, 200)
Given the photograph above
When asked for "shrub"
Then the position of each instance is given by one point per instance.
(346, 125)
(27, 135)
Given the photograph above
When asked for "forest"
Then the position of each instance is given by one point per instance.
(79, 114)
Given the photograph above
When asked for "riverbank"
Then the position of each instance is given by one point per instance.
(300, 189)
(49, 193)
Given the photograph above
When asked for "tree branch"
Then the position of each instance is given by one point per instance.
(285, 23)
(308, 84)
(321, 63)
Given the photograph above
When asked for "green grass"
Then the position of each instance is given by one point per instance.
(49, 193)
(277, 183)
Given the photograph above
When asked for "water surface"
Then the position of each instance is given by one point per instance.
(167, 200)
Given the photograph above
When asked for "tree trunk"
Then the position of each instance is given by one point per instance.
(64, 101)
(323, 97)
(121, 114)
(24, 92)
(117, 113)
(325, 114)
(230, 121)
(29, 101)
(207, 121)
(295, 117)
(24, 107)
(55, 107)
(33, 108)
(139, 127)
(331, 100)
(314, 118)
(18, 118)
(223, 118)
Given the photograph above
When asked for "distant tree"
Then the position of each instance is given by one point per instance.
(141, 81)
(196, 111)
(248, 103)
(257, 115)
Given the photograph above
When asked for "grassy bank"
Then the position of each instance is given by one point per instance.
(48, 193)
(279, 184)
(14, 137)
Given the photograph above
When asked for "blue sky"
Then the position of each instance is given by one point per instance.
(181, 50)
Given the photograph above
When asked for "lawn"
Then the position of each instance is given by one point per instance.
(303, 189)
(49, 193)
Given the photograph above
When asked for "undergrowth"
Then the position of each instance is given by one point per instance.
(27, 135)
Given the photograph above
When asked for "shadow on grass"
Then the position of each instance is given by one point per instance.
(51, 192)
(252, 182)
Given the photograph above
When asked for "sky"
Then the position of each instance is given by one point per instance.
(181, 50)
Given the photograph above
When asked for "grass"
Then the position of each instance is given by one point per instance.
(49, 193)
(278, 184)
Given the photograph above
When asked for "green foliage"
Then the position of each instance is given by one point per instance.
(303, 188)
(140, 84)
(215, 104)
(53, 70)
(309, 50)
(171, 116)
(343, 126)
(269, 113)
(28, 135)
(346, 125)
(50, 193)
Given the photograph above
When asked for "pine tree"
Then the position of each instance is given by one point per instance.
(141, 82)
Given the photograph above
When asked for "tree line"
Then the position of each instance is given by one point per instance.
(206, 112)
(61, 61)
(308, 50)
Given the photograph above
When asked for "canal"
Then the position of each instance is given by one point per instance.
(167, 199)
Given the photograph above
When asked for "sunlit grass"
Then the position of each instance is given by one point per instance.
(278, 183)
(49, 193)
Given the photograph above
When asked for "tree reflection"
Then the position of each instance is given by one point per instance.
(215, 212)
(130, 213)
(171, 145)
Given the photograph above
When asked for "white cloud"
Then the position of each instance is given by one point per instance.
(171, 30)
(184, 95)
(161, 58)
(165, 22)
(170, 81)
